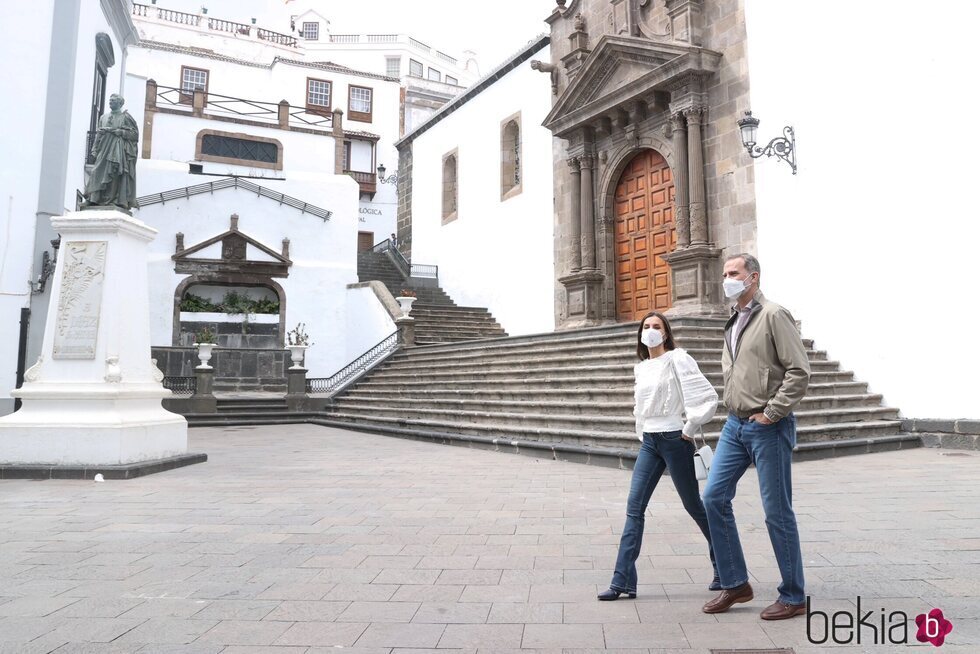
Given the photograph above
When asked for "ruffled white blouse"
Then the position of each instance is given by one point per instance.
(671, 393)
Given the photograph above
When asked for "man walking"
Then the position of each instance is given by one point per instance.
(766, 373)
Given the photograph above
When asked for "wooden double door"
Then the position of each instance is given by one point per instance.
(644, 233)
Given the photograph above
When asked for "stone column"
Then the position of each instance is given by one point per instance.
(588, 214)
(682, 214)
(297, 398)
(575, 236)
(699, 218)
(406, 331)
(283, 114)
(338, 142)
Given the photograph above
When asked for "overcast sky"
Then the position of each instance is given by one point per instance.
(494, 30)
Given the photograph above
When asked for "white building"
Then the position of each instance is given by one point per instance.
(296, 31)
(478, 175)
(873, 242)
(70, 56)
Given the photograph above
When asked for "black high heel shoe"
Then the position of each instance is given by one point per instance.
(611, 595)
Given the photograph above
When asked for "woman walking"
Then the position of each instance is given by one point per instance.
(669, 387)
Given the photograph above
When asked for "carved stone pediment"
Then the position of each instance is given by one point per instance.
(231, 252)
(621, 70)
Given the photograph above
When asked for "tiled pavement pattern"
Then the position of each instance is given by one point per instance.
(305, 539)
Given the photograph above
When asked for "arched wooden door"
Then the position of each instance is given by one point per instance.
(644, 232)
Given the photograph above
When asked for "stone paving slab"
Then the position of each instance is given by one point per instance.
(307, 539)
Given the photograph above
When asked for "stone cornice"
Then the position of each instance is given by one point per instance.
(584, 101)
(118, 13)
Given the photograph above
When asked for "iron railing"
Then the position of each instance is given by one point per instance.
(353, 370)
(420, 270)
(183, 386)
(276, 37)
(425, 271)
(217, 104)
(233, 182)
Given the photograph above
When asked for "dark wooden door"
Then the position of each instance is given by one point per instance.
(644, 232)
(365, 241)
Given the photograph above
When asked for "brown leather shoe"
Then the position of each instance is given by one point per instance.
(726, 598)
(779, 611)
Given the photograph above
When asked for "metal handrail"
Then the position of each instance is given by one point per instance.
(183, 386)
(419, 270)
(236, 182)
(404, 267)
(355, 369)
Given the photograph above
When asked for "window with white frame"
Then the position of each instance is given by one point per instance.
(192, 79)
(415, 68)
(311, 31)
(452, 80)
(360, 102)
(318, 92)
(435, 75)
(393, 66)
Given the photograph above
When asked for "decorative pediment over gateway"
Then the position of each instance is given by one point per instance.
(232, 253)
(622, 69)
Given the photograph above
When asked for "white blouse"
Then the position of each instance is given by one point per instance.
(664, 399)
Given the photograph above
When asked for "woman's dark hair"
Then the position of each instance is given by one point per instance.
(641, 349)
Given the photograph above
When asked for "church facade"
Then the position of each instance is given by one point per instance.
(653, 190)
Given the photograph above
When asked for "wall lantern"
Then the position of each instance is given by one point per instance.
(390, 179)
(782, 147)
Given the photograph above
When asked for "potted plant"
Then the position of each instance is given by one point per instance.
(297, 340)
(405, 301)
(205, 343)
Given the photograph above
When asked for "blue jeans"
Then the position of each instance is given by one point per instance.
(660, 451)
(770, 448)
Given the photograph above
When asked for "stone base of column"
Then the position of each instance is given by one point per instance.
(203, 400)
(696, 289)
(583, 291)
(406, 331)
(296, 396)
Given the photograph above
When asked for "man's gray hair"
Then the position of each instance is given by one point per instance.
(751, 263)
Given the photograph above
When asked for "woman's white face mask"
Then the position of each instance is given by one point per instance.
(651, 337)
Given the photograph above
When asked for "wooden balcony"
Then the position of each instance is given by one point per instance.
(367, 181)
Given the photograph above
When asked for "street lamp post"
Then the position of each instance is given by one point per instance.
(782, 147)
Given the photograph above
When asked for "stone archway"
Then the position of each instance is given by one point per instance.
(643, 232)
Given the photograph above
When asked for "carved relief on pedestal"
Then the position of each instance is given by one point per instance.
(155, 371)
(33, 373)
(80, 300)
(113, 373)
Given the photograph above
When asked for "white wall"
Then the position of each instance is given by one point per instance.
(496, 254)
(323, 253)
(368, 322)
(873, 244)
(20, 175)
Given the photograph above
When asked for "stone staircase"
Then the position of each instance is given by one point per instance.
(573, 390)
(437, 318)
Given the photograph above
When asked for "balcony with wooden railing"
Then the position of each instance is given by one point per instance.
(367, 181)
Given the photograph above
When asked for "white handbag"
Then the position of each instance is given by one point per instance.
(702, 459)
(703, 455)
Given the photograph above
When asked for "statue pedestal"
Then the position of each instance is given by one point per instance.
(696, 273)
(94, 396)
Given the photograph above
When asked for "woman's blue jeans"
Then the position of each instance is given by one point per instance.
(660, 451)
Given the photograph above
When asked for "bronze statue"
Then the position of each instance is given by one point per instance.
(112, 182)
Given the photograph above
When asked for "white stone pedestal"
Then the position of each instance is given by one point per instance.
(93, 397)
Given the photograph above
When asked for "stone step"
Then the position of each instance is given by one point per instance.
(594, 437)
(461, 320)
(708, 360)
(619, 406)
(585, 375)
(248, 418)
(564, 420)
(441, 312)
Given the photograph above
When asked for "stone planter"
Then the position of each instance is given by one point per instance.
(405, 302)
(204, 354)
(297, 352)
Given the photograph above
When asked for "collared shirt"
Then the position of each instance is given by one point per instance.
(740, 323)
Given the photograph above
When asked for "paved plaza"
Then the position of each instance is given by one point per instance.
(310, 539)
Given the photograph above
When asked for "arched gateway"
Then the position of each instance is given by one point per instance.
(644, 232)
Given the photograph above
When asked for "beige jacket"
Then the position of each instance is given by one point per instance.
(769, 370)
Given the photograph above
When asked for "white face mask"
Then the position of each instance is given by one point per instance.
(735, 287)
(651, 337)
